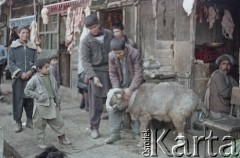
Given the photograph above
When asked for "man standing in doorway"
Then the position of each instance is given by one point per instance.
(95, 49)
(22, 60)
(118, 32)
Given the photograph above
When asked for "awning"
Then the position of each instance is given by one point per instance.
(27, 20)
(62, 6)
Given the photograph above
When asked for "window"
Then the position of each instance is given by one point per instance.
(49, 34)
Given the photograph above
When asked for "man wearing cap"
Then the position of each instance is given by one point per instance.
(220, 84)
(22, 59)
(95, 49)
(125, 71)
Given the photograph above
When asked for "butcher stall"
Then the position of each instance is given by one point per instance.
(217, 33)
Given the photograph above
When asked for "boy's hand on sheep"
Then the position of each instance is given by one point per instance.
(127, 94)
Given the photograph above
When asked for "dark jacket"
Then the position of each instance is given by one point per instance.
(95, 54)
(3, 55)
(134, 67)
(55, 71)
(22, 59)
(220, 92)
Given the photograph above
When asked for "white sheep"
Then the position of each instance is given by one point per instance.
(166, 101)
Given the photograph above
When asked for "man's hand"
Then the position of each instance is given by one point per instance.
(24, 76)
(127, 94)
(97, 82)
(29, 74)
(6, 92)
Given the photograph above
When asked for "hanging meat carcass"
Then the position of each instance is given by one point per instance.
(73, 22)
(69, 27)
(212, 16)
(227, 25)
(44, 14)
(202, 12)
(34, 37)
(33, 29)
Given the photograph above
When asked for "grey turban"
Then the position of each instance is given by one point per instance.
(225, 57)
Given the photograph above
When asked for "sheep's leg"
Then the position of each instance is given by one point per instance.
(180, 127)
(144, 120)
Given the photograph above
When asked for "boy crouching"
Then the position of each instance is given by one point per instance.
(43, 88)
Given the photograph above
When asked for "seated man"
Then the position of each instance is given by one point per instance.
(220, 84)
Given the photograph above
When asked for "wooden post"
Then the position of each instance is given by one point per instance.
(238, 107)
(34, 6)
(1, 143)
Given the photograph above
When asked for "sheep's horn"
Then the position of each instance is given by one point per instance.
(119, 94)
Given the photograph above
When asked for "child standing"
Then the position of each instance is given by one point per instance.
(54, 68)
(43, 88)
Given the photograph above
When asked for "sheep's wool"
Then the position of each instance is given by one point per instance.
(109, 97)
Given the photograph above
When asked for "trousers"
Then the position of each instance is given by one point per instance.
(115, 121)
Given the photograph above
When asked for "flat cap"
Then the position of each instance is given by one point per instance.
(91, 20)
(117, 44)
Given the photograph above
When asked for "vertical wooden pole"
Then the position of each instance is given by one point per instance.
(34, 6)
(10, 11)
(238, 106)
(1, 143)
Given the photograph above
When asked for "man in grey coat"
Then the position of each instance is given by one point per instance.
(95, 49)
(220, 84)
(22, 59)
(125, 71)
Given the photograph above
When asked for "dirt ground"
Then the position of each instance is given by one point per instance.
(77, 130)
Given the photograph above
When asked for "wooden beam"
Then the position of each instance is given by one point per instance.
(34, 6)
(1, 143)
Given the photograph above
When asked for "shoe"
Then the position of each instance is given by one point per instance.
(112, 139)
(94, 133)
(18, 127)
(105, 116)
(29, 124)
(63, 140)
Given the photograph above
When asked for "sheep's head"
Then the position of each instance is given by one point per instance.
(114, 99)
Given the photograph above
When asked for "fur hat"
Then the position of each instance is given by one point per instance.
(91, 20)
(225, 57)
